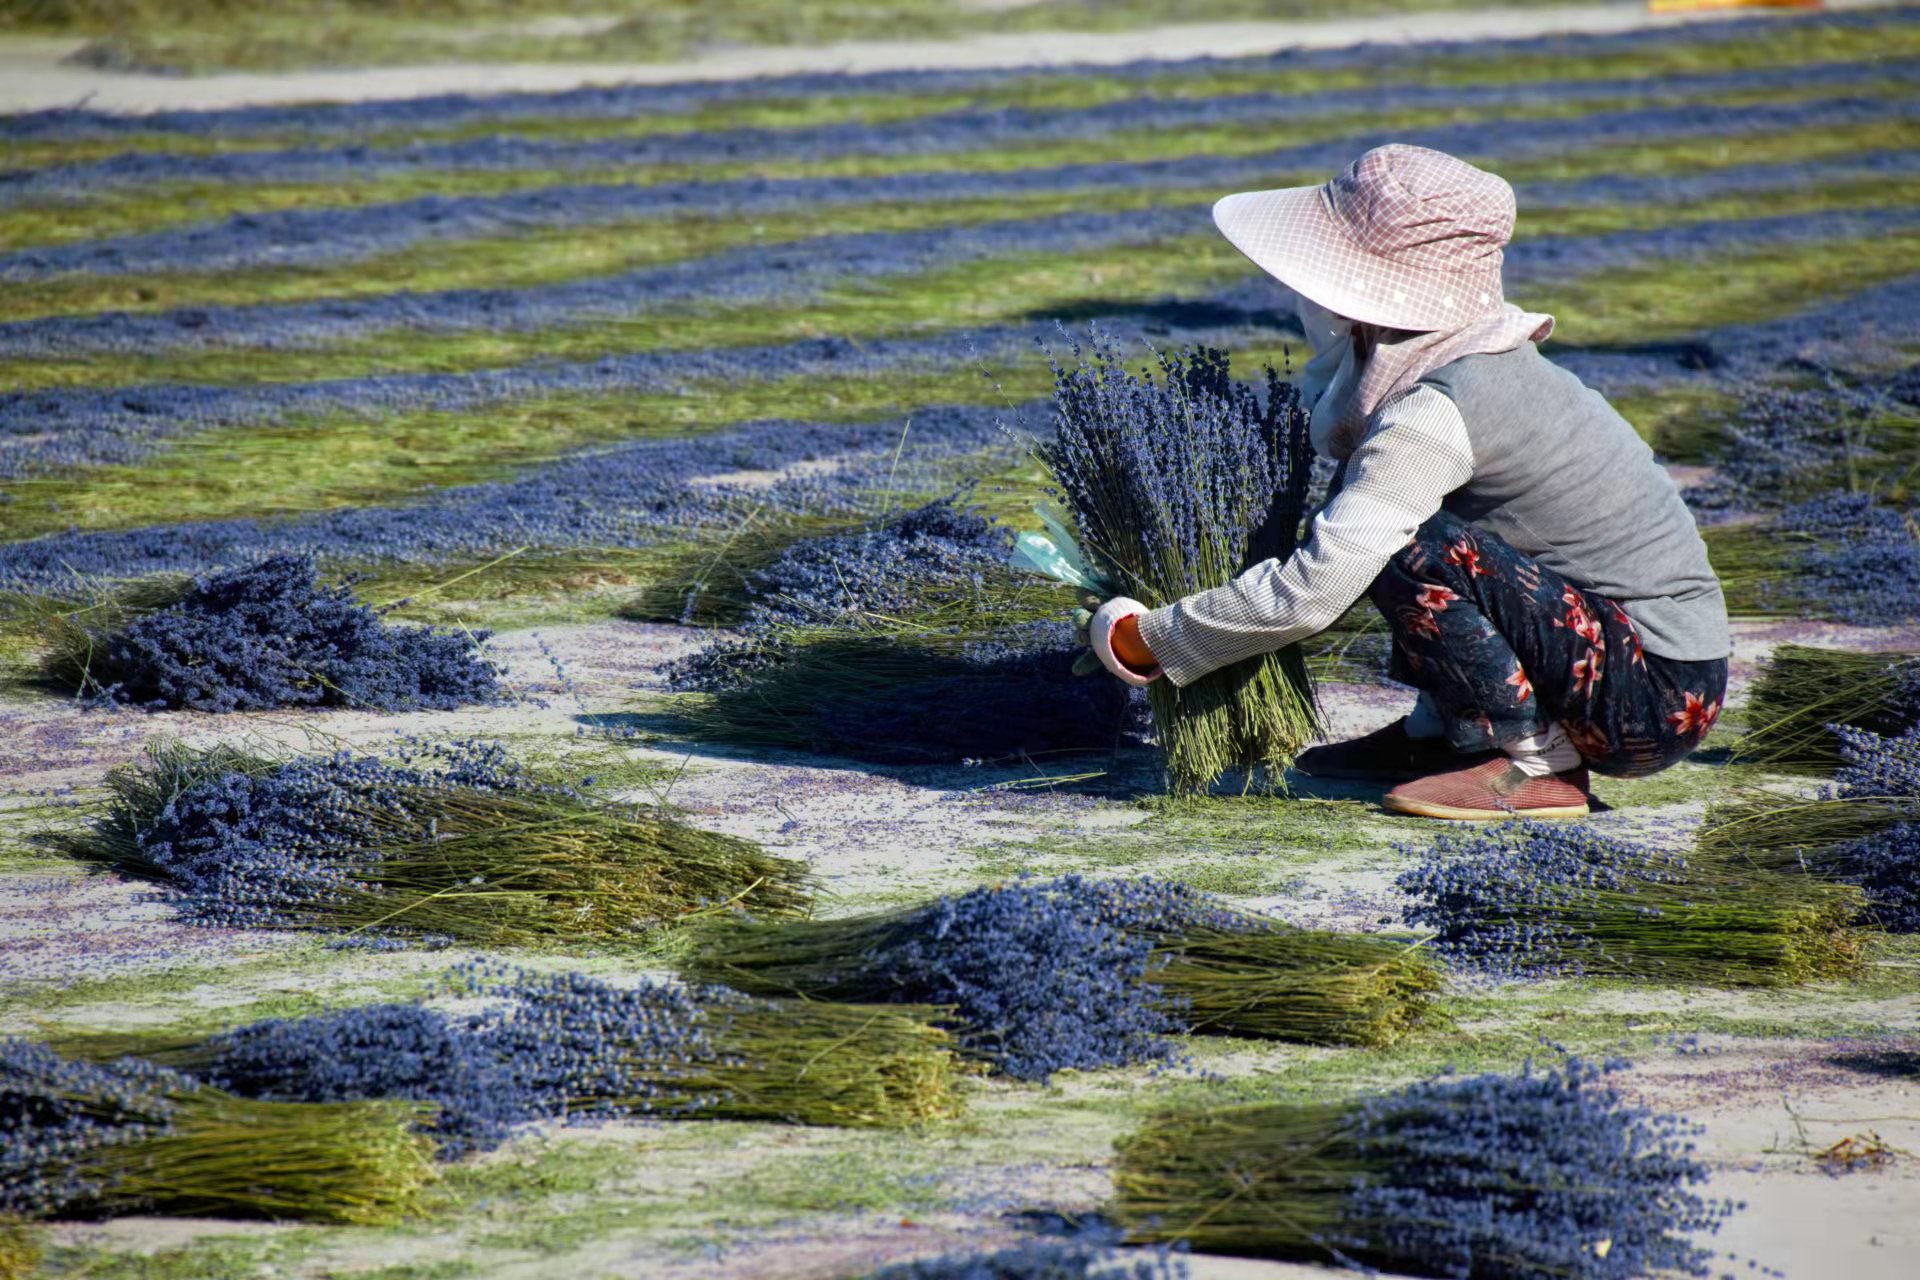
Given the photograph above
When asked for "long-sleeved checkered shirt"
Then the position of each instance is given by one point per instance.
(1416, 451)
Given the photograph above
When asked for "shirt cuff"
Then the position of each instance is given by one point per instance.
(1160, 628)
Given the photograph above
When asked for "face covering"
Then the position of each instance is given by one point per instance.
(1328, 374)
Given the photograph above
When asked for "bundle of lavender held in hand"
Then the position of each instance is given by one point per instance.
(1178, 486)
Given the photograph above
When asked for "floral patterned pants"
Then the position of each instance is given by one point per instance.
(1506, 647)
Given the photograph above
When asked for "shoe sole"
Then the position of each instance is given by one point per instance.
(1450, 813)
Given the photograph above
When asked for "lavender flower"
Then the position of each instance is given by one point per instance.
(54, 1113)
(383, 1051)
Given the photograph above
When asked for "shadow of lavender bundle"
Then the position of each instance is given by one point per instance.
(1043, 976)
(1863, 830)
(260, 637)
(1543, 899)
(1498, 1177)
(1178, 486)
(452, 842)
(905, 699)
(1802, 690)
(133, 1137)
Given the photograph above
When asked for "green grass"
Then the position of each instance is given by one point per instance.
(123, 211)
(1889, 39)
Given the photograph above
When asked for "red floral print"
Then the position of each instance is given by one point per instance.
(1523, 687)
(1436, 599)
(1467, 556)
(1586, 673)
(1639, 655)
(1695, 718)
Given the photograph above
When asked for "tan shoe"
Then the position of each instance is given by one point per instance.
(1490, 791)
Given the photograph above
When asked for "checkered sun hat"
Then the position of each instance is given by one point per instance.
(1406, 238)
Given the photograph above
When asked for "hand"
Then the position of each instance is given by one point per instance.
(1112, 633)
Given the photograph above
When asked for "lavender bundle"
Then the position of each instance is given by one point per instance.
(1176, 487)
(457, 843)
(1494, 1177)
(1077, 974)
(257, 638)
(134, 1137)
(567, 1047)
(1863, 830)
(1550, 899)
(1802, 690)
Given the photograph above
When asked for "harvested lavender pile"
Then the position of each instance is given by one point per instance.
(1862, 830)
(263, 637)
(400, 1051)
(449, 841)
(1864, 564)
(570, 1048)
(1046, 976)
(131, 1137)
(1541, 899)
(1177, 486)
(1493, 1177)
(1803, 690)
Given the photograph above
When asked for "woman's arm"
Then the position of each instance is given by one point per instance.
(1413, 456)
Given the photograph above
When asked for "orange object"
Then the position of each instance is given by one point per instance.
(1694, 6)
(1130, 647)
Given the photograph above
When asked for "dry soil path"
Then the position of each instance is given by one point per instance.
(34, 75)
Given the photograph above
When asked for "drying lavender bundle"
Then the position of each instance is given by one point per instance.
(458, 842)
(1492, 1177)
(1176, 487)
(1862, 830)
(261, 637)
(1551, 899)
(19, 1250)
(1802, 690)
(133, 1137)
(1079, 974)
(400, 1051)
(935, 699)
(588, 1051)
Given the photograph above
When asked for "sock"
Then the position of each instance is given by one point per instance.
(1424, 720)
(1547, 752)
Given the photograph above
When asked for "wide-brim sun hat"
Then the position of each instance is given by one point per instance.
(1405, 238)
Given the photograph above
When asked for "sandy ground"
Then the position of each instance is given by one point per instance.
(35, 77)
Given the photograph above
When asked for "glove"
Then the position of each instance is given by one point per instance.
(1113, 634)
